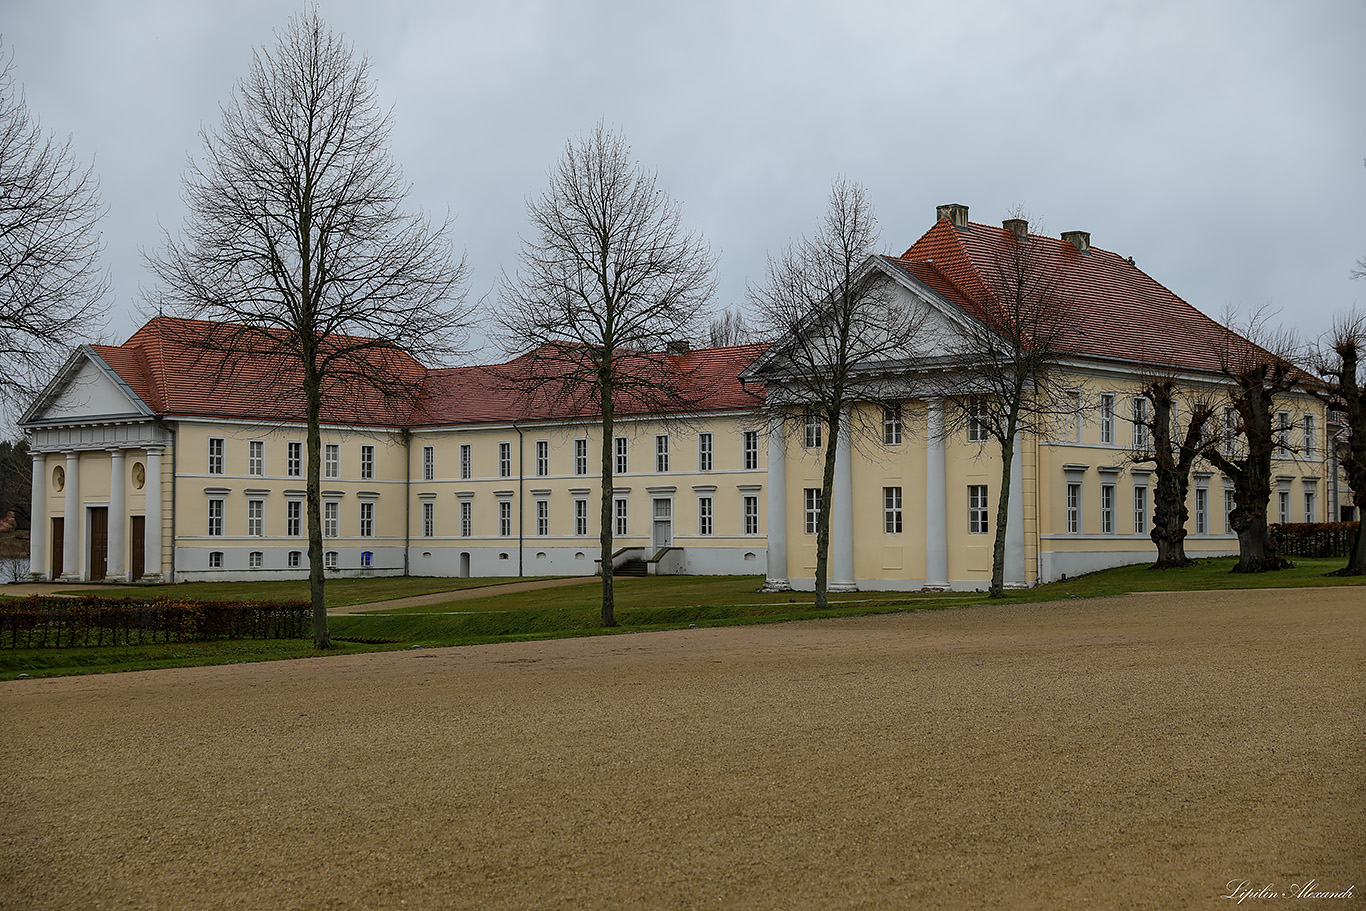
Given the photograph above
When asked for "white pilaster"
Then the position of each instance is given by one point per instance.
(777, 578)
(71, 526)
(39, 531)
(842, 518)
(1015, 556)
(118, 517)
(152, 487)
(936, 500)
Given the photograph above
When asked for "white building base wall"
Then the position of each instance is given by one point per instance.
(192, 563)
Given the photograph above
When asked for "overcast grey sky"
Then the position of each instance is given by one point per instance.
(1220, 144)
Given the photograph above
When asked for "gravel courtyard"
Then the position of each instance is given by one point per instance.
(1150, 751)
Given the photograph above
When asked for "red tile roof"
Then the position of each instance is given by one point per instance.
(167, 365)
(1117, 309)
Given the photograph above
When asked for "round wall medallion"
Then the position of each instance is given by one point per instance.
(58, 478)
(139, 476)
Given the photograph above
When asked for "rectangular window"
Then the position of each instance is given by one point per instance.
(1282, 435)
(295, 558)
(428, 519)
(542, 458)
(505, 518)
(1229, 504)
(256, 518)
(580, 457)
(1310, 506)
(1107, 509)
(1141, 434)
(367, 520)
(1140, 510)
(1073, 509)
(466, 518)
(704, 452)
(891, 510)
(216, 559)
(813, 509)
(215, 455)
(429, 463)
(704, 516)
(977, 509)
(332, 460)
(331, 519)
(1107, 419)
(580, 517)
(620, 506)
(256, 457)
(621, 455)
(1311, 446)
(1201, 511)
(891, 425)
(750, 443)
(216, 517)
(1284, 500)
(504, 460)
(254, 559)
(542, 517)
(813, 428)
(662, 452)
(367, 463)
(330, 559)
(294, 460)
(294, 511)
(751, 512)
(466, 461)
(977, 419)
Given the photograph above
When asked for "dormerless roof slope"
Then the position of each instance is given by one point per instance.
(1117, 309)
(175, 375)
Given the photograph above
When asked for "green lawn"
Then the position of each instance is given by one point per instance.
(339, 592)
(643, 604)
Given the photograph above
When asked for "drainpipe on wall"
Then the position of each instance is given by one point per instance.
(175, 473)
(520, 477)
(407, 498)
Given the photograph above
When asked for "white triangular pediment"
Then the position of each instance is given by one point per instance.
(86, 389)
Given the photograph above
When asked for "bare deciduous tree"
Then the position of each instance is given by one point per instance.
(729, 328)
(837, 326)
(51, 285)
(1338, 359)
(1258, 362)
(1007, 385)
(298, 249)
(608, 284)
(1172, 450)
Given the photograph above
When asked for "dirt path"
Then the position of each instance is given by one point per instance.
(1135, 752)
(466, 594)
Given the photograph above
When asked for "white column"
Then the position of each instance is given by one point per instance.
(71, 512)
(1015, 555)
(777, 579)
(936, 500)
(37, 536)
(842, 519)
(152, 488)
(118, 518)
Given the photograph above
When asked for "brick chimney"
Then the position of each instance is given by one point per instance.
(1017, 226)
(955, 212)
(678, 347)
(1079, 239)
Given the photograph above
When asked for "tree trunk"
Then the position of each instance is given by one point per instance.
(1169, 519)
(609, 617)
(313, 397)
(998, 550)
(823, 517)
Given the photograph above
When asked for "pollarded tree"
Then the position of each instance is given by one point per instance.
(836, 326)
(1172, 450)
(298, 250)
(1339, 361)
(608, 284)
(51, 285)
(1258, 363)
(1007, 384)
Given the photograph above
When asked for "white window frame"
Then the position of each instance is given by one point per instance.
(505, 518)
(466, 517)
(749, 442)
(979, 509)
(620, 511)
(215, 559)
(1283, 435)
(428, 518)
(891, 425)
(1142, 506)
(216, 458)
(256, 518)
(367, 519)
(466, 461)
(661, 452)
(429, 463)
(294, 518)
(812, 426)
(620, 453)
(1283, 506)
(1311, 443)
(704, 452)
(891, 510)
(977, 427)
(329, 559)
(294, 459)
(1073, 507)
(367, 462)
(542, 518)
(1202, 511)
(295, 559)
(542, 458)
(254, 559)
(812, 503)
(1107, 419)
(1107, 509)
(1142, 434)
(504, 459)
(580, 516)
(256, 457)
(331, 460)
(1311, 505)
(750, 510)
(581, 456)
(1230, 504)
(216, 513)
(331, 518)
(705, 516)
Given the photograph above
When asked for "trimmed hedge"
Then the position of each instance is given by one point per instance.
(1314, 539)
(47, 622)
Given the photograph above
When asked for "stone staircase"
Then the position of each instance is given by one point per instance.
(632, 568)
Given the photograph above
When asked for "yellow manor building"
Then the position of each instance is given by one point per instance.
(155, 462)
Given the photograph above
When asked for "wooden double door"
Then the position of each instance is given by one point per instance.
(99, 545)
